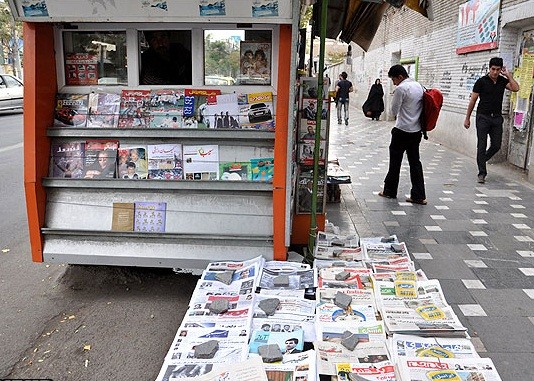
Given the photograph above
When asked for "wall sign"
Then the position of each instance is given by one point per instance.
(478, 22)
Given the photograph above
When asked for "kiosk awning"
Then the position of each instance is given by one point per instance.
(358, 20)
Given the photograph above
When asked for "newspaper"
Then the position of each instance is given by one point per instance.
(360, 297)
(251, 369)
(283, 293)
(330, 353)
(330, 239)
(277, 325)
(324, 263)
(235, 302)
(231, 265)
(384, 251)
(261, 337)
(359, 278)
(288, 305)
(375, 240)
(376, 371)
(246, 272)
(367, 331)
(338, 253)
(329, 312)
(298, 279)
(392, 276)
(415, 346)
(285, 266)
(294, 367)
(468, 369)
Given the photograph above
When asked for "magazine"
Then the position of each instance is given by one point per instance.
(165, 161)
(262, 169)
(306, 149)
(150, 216)
(103, 110)
(201, 162)
(67, 160)
(255, 63)
(256, 111)
(134, 111)
(195, 103)
(235, 171)
(305, 190)
(460, 369)
(166, 108)
(100, 159)
(132, 162)
(309, 111)
(71, 110)
(308, 128)
(224, 113)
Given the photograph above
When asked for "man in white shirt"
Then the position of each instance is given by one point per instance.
(406, 105)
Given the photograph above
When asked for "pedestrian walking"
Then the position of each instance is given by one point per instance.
(374, 104)
(406, 105)
(343, 88)
(490, 90)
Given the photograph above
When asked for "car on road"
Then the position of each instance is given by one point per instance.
(11, 92)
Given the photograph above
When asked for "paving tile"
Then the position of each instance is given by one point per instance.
(504, 334)
(472, 310)
(478, 233)
(502, 278)
(504, 302)
(441, 207)
(526, 253)
(476, 247)
(437, 217)
(521, 226)
(473, 283)
(398, 212)
(455, 292)
(529, 271)
(479, 345)
(511, 366)
(451, 252)
(447, 269)
(475, 263)
(419, 256)
(524, 238)
(433, 228)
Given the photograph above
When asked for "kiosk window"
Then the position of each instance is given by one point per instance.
(165, 57)
(237, 57)
(95, 58)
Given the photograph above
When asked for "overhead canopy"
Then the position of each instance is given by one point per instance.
(358, 20)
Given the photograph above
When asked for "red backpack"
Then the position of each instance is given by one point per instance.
(432, 102)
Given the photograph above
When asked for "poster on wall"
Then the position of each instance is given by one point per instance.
(255, 63)
(265, 8)
(478, 22)
(81, 69)
(34, 8)
(212, 8)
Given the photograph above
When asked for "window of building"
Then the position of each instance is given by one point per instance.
(165, 57)
(237, 57)
(95, 58)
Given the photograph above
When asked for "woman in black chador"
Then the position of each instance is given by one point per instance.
(374, 105)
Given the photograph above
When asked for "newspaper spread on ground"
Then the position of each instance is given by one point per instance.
(441, 347)
(456, 369)
(338, 253)
(297, 279)
(374, 371)
(249, 370)
(293, 367)
(357, 278)
(329, 354)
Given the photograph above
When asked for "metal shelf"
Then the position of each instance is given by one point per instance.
(190, 136)
(201, 185)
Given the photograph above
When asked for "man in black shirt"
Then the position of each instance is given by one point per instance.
(343, 88)
(490, 90)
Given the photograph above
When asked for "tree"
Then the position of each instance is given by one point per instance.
(222, 58)
(10, 38)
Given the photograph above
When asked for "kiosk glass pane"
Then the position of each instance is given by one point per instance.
(165, 57)
(95, 58)
(237, 57)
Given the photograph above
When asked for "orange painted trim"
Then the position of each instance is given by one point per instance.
(280, 143)
(40, 87)
(301, 228)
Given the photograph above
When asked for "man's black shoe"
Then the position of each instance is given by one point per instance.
(481, 179)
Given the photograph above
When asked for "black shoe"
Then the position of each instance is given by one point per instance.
(481, 179)
(346, 122)
(339, 122)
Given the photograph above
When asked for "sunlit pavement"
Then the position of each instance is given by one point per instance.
(477, 239)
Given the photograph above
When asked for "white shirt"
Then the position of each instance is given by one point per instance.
(407, 104)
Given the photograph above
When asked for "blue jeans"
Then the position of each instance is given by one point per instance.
(487, 126)
(343, 102)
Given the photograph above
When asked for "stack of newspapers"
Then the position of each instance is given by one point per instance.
(361, 312)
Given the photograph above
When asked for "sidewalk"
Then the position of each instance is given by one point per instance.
(477, 239)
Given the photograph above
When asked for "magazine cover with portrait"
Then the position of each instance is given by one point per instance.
(254, 63)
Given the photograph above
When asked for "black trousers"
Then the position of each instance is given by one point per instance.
(405, 142)
(487, 126)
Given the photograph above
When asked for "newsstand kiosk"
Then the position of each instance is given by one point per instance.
(226, 190)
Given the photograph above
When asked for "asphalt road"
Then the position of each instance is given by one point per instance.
(65, 322)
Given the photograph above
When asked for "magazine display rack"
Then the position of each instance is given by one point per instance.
(70, 220)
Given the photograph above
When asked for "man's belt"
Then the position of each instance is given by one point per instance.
(491, 114)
